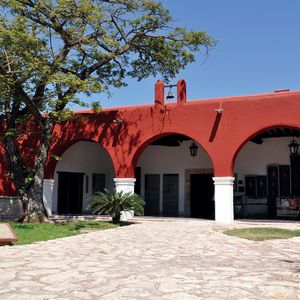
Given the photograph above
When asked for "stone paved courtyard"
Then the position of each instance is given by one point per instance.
(175, 259)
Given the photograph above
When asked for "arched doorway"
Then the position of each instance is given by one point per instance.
(172, 181)
(83, 169)
(267, 175)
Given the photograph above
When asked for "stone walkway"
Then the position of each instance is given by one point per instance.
(178, 259)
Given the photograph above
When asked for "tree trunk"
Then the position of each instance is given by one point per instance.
(116, 219)
(29, 183)
(34, 210)
(33, 204)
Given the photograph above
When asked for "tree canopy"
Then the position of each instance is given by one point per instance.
(52, 50)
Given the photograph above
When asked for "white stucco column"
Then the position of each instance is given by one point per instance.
(48, 185)
(127, 186)
(224, 199)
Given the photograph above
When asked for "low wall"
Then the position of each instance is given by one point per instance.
(10, 208)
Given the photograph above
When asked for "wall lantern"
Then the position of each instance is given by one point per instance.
(193, 149)
(170, 95)
(294, 146)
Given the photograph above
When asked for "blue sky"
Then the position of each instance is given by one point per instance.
(258, 50)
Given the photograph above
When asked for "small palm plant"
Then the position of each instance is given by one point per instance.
(113, 203)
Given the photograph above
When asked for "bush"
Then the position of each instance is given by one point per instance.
(113, 203)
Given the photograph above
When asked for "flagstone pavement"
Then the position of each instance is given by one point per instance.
(170, 259)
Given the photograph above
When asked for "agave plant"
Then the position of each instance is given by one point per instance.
(113, 203)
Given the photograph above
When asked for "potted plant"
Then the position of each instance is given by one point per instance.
(114, 203)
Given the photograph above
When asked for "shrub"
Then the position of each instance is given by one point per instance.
(113, 203)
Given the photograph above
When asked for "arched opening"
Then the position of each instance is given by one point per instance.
(83, 169)
(267, 183)
(172, 181)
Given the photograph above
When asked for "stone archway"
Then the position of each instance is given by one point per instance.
(85, 164)
(171, 180)
(266, 173)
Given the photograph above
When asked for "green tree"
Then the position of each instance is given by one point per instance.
(52, 50)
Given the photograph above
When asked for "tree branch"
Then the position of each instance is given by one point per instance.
(21, 94)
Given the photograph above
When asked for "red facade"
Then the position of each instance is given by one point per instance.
(221, 126)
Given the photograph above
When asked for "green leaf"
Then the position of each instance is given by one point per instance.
(113, 203)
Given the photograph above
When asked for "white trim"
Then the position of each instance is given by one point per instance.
(223, 180)
(48, 185)
(224, 199)
(125, 185)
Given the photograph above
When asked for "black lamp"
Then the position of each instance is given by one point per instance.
(294, 147)
(193, 149)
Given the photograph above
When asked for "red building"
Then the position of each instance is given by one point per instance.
(243, 164)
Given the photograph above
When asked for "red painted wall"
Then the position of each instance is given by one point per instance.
(126, 132)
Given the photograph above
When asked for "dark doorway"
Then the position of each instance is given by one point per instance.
(170, 195)
(137, 184)
(295, 168)
(201, 196)
(152, 188)
(273, 189)
(70, 192)
(284, 180)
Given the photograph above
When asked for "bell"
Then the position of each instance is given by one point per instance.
(170, 95)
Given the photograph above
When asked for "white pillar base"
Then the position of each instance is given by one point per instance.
(48, 185)
(224, 199)
(127, 186)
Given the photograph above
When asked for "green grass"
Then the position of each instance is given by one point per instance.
(30, 233)
(261, 234)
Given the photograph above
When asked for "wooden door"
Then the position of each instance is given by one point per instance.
(70, 193)
(137, 184)
(201, 196)
(152, 191)
(250, 186)
(284, 181)
(273, 189)
(273, 180)
(295, 168)
(170, 194)
(261, 182)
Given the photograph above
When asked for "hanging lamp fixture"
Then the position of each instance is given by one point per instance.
(193, 149)
(294, 147)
